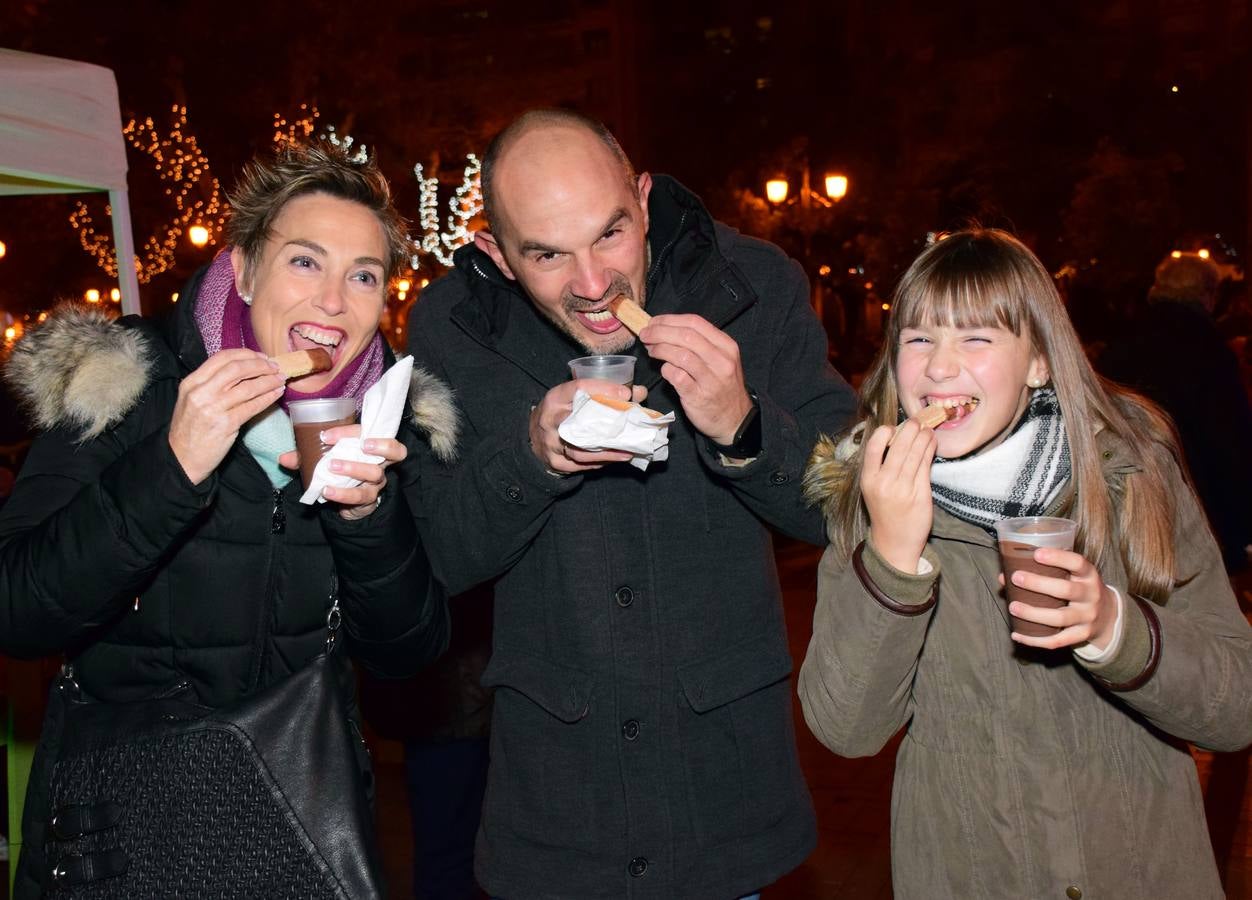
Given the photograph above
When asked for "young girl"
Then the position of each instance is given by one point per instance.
(1031, 766)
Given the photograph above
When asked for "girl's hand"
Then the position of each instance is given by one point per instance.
(1091, 610)
(896, 489)
(357, 502)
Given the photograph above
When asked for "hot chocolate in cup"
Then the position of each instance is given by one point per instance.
(617, 369)
(309, 418)
(1018, 540)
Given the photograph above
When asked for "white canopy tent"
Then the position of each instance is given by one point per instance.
(61, 132)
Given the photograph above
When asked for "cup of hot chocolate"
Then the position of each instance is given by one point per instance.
(309, 418)
(1019, 538)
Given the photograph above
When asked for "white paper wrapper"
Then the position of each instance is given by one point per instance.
(594, 426)
(381, 411)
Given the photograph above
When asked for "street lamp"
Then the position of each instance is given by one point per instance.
(807, 205)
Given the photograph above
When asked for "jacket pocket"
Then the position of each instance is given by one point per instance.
(738, 741)
(544, 783)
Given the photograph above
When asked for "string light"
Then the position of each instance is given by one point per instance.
(184, 171)
(301, 128)
(463, 206)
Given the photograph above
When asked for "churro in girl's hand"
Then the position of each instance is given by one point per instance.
(928, 417)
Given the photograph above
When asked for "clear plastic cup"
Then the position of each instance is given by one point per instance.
(617, 369)
(1018, 540)
(309, 418)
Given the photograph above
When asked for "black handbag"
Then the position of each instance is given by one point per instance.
(167, 798)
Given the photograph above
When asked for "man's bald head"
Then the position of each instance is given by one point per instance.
(549, 122)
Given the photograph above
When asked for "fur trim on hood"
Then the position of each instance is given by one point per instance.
(828, 470)
(83, 371)
(79, 370)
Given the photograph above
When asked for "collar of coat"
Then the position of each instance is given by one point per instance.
(830, 465)
(689, 273)
(84, 369)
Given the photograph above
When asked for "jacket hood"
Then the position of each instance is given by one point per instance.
(84, 370)
(79, 370)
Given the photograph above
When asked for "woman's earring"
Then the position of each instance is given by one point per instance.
(1036, 382)
(247, 299)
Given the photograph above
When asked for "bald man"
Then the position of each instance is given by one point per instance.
(642, 741)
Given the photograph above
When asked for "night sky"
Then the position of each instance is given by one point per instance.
(1106, 131)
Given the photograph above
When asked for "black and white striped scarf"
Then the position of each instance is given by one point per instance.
(1021, 476)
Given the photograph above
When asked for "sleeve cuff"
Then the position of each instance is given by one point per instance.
(1140, 651)
(901, 592)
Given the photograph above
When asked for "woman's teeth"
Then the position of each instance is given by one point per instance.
(600, 315)
(318, 335)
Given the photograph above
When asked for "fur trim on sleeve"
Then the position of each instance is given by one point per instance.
(435, 412)
(79, 369)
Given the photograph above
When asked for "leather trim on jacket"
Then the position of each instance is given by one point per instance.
(900, 609)
(1154, 652)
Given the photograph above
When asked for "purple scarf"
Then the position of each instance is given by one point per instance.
(225, 324)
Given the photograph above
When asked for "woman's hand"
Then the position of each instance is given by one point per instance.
(214, 402)
(357, 502)
(1090, 611)
(896, 489)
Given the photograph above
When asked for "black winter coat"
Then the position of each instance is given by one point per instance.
(110, 555)
(642, 740)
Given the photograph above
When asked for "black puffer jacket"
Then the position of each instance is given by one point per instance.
(110, 555)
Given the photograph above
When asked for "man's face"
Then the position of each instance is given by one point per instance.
(574, 232)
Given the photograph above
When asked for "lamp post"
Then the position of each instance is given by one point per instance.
(804, 212)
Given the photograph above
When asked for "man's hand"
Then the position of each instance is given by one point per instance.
(557, 456)
(214, 402)
(702, 363)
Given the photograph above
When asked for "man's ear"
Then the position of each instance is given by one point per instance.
(239, 264)
(645, 188)
(486, 242)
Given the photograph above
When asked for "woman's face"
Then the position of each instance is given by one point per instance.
(982, 372)
(319, 282)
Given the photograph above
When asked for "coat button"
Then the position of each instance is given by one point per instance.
(779, 477)
(514, 493)
(1073, 892)
(630, 729)
(637, 867)
(624, 596)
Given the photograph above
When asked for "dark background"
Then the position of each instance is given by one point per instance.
(1060, 123)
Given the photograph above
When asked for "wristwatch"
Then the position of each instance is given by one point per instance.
(746, 443)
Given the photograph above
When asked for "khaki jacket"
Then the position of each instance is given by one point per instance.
(1028, 773)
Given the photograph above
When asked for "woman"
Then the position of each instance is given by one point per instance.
(155, 535)
(1031, 766)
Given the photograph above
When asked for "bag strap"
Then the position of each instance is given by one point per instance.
(334, 618)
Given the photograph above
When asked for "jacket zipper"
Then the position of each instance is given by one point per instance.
(278, 526)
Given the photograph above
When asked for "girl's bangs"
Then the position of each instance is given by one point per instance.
(961, 300)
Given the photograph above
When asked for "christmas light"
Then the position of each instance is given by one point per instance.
(463, 206)
(184, 169)
(302, 127)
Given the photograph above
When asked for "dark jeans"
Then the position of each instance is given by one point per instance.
(446, 782)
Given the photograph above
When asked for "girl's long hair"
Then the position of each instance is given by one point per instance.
(986, 277)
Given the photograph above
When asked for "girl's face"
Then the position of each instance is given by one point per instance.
(981, 372)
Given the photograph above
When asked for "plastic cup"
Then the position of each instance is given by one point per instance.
(617, 369)
(1018, 540)
(309, 418)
